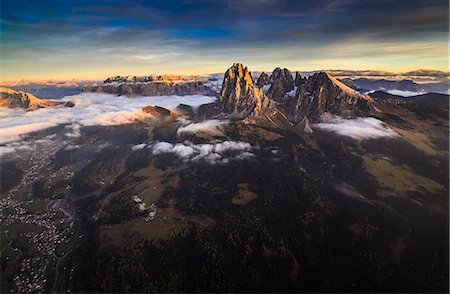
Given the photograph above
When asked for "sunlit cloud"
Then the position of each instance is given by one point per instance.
(90, 109)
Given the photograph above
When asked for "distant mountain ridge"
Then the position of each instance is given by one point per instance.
(48, 89)
(434, 99)
(366, 85)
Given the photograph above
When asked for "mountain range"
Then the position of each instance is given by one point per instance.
(282, 183)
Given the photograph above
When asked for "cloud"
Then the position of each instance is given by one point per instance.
(212, 126)
(90, 109)
(43, 38)
(138, 147)
(220, 152)
(405, 93)
(358, 128)
(387, 74)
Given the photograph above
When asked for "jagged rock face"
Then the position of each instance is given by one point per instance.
(298, 79)
(240, 97)
(18, 99)
(263, 80)
(153, 89)
(323, 93)
(281, 83)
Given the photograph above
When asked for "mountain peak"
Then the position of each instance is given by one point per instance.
(239, 96)
(12, 99)
(281, 83)
(262, 80)
(324, 93)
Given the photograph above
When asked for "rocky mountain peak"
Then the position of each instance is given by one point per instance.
(281, 83)
(262, 80)
(239, 96)
(298, 79)
(323, 93)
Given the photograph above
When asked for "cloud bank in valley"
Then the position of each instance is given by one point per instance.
(405, 93)
(90, 109)
(219, 152)
(358, 128)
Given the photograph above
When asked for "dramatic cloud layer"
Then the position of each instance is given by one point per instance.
(94, 39)
(358, 128)
(220, 152)
(90, 109)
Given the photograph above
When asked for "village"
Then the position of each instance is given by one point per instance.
(39, 235)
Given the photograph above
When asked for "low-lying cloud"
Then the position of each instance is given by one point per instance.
(405, 93)
(212, 126)
(220, 152)
(90, 109)
(357, 128)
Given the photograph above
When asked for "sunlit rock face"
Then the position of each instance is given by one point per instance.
(240, 97)
(18, 99)
(153, 89)
(281, 83)
(323, 93)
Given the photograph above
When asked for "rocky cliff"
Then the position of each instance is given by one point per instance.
(286, 105)
(262, 80)
(281, 83)
(152, 89)
(241, 99)
(323, 93)
(299, 80)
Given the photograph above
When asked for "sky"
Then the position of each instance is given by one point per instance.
(65, 39)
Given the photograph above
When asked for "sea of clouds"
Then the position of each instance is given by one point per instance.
(90, 109)
(357, 128)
